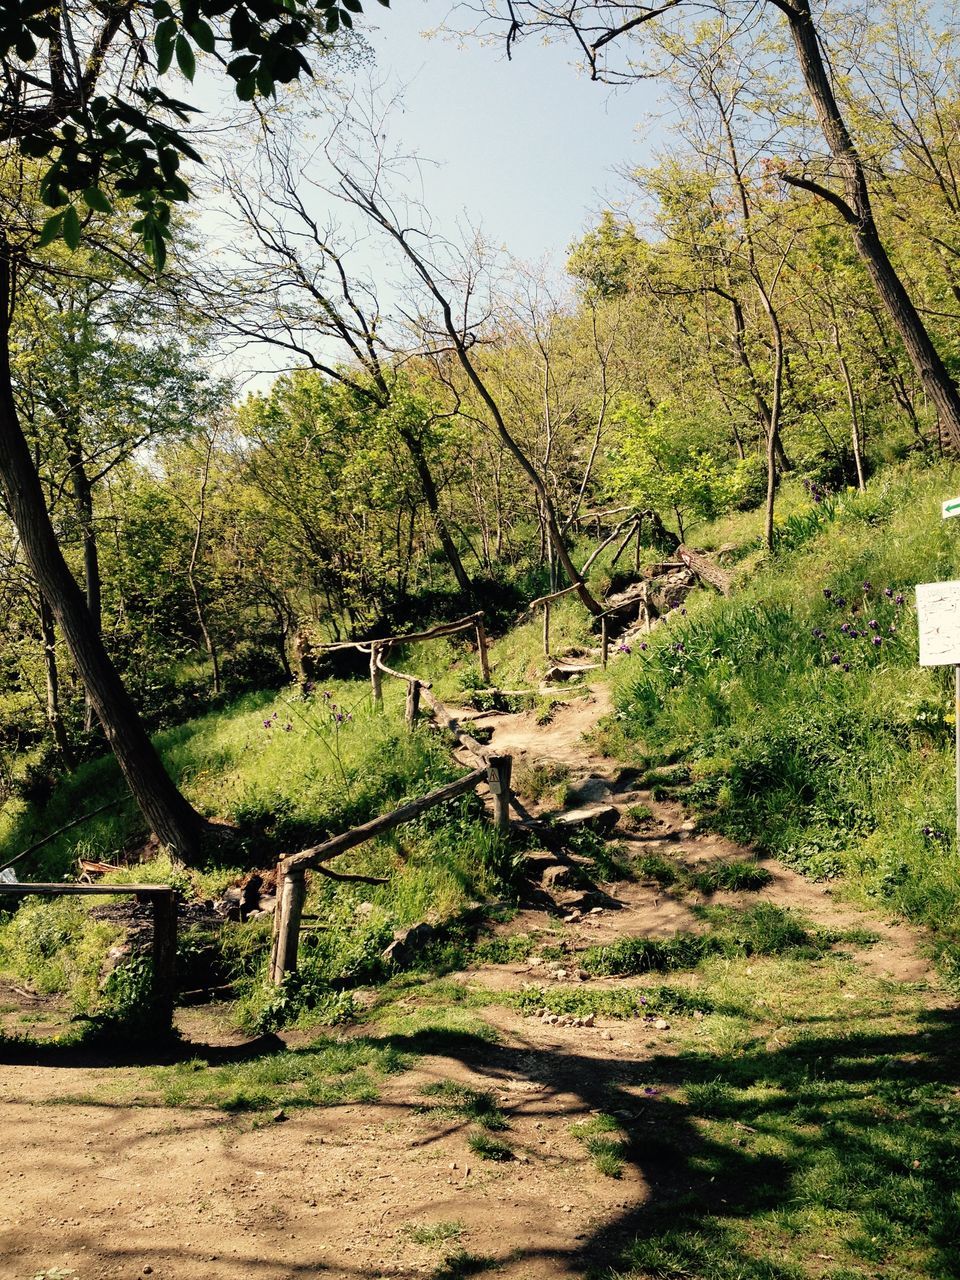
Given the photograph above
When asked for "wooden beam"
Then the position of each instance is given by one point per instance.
(447, 720)
(441, 629)
(63, 889)
(412, 708)
(164, 956)
(336, 845)
(482, 650)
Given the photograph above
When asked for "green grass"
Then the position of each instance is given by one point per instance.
(844, 769)
(435, 1232)
(735, 876)
(487, 1148)
(580, 1001)
(451, 1100)
(608, 1153)
(764, 929)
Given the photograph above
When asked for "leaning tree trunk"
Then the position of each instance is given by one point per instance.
(168, 813)
(83, 493)
(858, 212)
(48, 639)
(427, 484)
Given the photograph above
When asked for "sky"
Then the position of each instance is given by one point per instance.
(528, 149)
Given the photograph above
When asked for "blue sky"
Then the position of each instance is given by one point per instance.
(528, 148)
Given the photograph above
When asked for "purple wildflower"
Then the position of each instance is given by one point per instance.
(643, 645)
(845, 628)
(835, 659)
(327, 695)
(623, 648)
(683, 613)
(898, 599)
(827, 593)
(877, 640)
(846, 666)
(867, 587)
(841, 601)
(888, 592)
(651, 1093)
(308, 686)
(268, 724)
(873, 624)
(288, 727)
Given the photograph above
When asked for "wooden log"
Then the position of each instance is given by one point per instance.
(546, 628)
(445, 718)
(441, 629)
(498, 780)
(412, 708)
(604, 642)
(624, 544)
(482, 651)
(57, 889)
(376, 678)
(403, 675)
(164, 956)
(706, 569)
(336, 845)
(288, 933)
(554, 595)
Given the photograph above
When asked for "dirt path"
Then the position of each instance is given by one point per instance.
(99, 1188)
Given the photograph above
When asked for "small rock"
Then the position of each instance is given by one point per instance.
(661, 1024)
(698, 1014)
(689, 825)
(566, 1208)
(147, 1269)
(572, 918)
(557, 876)
(588, 1020)
(596, 911)
(534, 961)
(407, 942)
(279, 1116)
(560, 974)
(453, 1164)
(605, 1035)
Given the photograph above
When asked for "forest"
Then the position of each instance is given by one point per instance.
(585, 584)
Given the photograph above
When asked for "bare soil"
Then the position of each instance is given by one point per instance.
(95, 1190)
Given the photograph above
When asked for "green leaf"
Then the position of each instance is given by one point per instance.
(346, 19)
(333, 21)
(94, 199)
(71, 228)
(164, 39)
(203, 35)
(51, 230)
(185, 59)
(353, 5)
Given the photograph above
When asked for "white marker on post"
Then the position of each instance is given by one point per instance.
(938, 621)
(950, 508)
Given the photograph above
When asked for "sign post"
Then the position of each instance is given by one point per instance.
(938, 620)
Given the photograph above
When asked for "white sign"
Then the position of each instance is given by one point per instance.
(938, 616)
(950, 508)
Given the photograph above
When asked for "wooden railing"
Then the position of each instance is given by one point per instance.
(492, 770)
(164, 900)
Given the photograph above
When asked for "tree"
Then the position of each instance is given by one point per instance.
(599, 29)
(82, 91)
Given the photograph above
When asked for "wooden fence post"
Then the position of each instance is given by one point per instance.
(413, 702)
(604, 642)
(482, 651)
(498, 780)
(164, 956)
(546, 628)
(290, 907)
(376, 676)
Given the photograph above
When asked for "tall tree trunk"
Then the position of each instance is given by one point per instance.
(199, 518)
(48, 639)
(428, 485)
(858, 212)
(167, 812)
(83, 493)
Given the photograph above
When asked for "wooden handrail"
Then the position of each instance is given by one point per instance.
(553, 596)
(449, 721)
(441, 629)
(336, 845)
(402, 675)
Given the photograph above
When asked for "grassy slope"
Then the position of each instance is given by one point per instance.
(822, 746)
